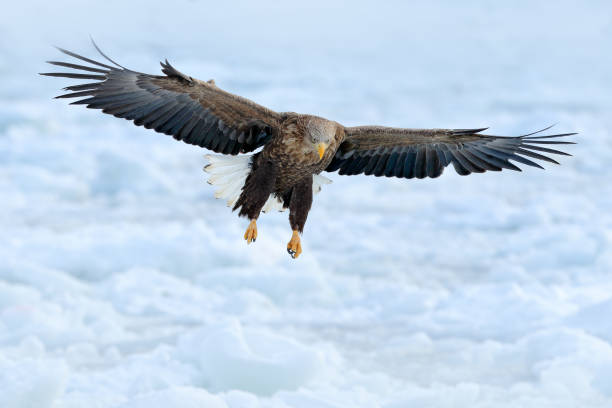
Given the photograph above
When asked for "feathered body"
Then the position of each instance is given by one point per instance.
(295, 148)
(292, 152)
(286, 165)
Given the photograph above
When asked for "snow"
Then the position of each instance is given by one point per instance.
(257, 361)
(125, 283)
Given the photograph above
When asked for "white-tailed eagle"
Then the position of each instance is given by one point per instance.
(296, 148)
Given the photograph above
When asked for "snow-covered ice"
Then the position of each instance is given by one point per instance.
(125, 284)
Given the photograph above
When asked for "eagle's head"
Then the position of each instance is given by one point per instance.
(320, 133)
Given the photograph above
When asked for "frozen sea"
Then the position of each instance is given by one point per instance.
(125, 284)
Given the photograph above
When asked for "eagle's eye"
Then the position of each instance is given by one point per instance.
(319, 132)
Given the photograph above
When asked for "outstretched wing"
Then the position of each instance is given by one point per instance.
(190, 110)
(424, 153)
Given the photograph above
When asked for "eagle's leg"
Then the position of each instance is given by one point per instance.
(251, 232)
(257, 188)
(299, 206)
(294, 247)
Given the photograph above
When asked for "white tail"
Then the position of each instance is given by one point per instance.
(229, 173)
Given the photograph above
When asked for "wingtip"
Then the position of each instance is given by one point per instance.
(104, 55)
(93, 41)
(538, 131)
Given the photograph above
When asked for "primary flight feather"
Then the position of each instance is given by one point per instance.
(296, 147)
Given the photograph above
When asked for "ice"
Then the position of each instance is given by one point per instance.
(30, 379)
(125, 283)
(233, 357)
(188, 397)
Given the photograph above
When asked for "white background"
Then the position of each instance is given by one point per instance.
(124, 283)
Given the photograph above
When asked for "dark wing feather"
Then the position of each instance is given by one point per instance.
(190, 110)
(420, 153)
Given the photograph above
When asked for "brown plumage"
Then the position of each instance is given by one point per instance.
(295, 147)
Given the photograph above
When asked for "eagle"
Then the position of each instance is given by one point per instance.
(273, 160)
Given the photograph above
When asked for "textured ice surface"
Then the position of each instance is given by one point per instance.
(124, 283)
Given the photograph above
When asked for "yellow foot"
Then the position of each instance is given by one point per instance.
(294, 247)
(251, 232)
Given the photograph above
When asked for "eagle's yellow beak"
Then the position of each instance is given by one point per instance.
(321, 149)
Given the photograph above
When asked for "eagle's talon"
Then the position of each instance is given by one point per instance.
(294, 247)
(250, 234)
